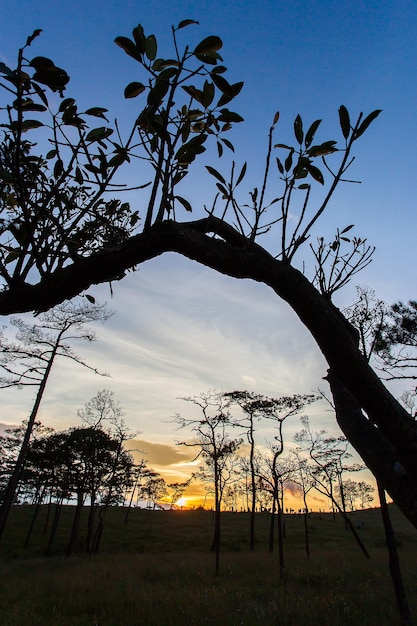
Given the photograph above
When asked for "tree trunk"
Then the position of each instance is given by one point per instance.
(13, 482)
(306, 532)
(58, 509)
(394, 562)
(375, 449)
(74, 537)
(38, 503)
(280, 539)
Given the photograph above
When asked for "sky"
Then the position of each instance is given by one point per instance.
(178, 328)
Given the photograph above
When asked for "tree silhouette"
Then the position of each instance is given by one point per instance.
(61, 231)
(30, 361)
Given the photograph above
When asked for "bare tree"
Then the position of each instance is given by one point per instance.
(215, 447)
(30, 361)
(326, 455)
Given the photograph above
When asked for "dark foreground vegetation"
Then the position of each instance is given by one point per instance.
(158, 570)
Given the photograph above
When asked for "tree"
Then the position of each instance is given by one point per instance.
(256, 407)
(365, 491)
(30, 361)
(104, 413)
(98, 242)
(177, 490)
(327, 455)
(153, 487)
(306, 481)
(216, 448)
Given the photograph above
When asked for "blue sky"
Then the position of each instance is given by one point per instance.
(179, 328)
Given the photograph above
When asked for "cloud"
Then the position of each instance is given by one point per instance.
(161, 455)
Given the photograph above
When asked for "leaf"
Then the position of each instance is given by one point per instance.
(185, 23)
(98, 134)
(68, 102)
(167, 74)
(344, 120)
(228, 144)
(298, 129)
(133, 90)
(55, 78)
(90, 298)
(311, 132)
(33, 36)
(304, 186)
(58, 168)
(161, 64)
(187, 153)
(78, 175)
(187, 206)
(222, 84)
(97, 112)
(366, 122)
(6, 177)
(216, 174)
(208, 45)
(276, 118)
(151, 47)
(139, 37)
(222, 189)
(6, 70)
(328, 147)
(51, 154)
(158, 92)
(30, 124)
(12, 256)
(195, 93)
(283, 145)
(208, 94)
(229, 116)
(42, 63)
(280, 166)
(129, 47)
(219, 149)
(345, 230)
(316, 174)
(288, 161)
(220, 69)
(27, 104)
(41, 93)
(242, 174)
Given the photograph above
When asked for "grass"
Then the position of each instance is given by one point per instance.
(158, 570)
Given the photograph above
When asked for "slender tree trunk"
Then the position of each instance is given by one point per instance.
(99, 530)
(90, 523)
(15, 476)
(272, 524)
(48, 512)
(75, 529)
(130, 503)
(253, 487)
(34, 517)
(306, 531)
(217, 520)
(280, 539)
(394, 562)
(54, 527)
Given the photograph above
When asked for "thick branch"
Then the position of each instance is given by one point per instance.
(215, 244)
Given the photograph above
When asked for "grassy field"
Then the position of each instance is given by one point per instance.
(158, 570)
